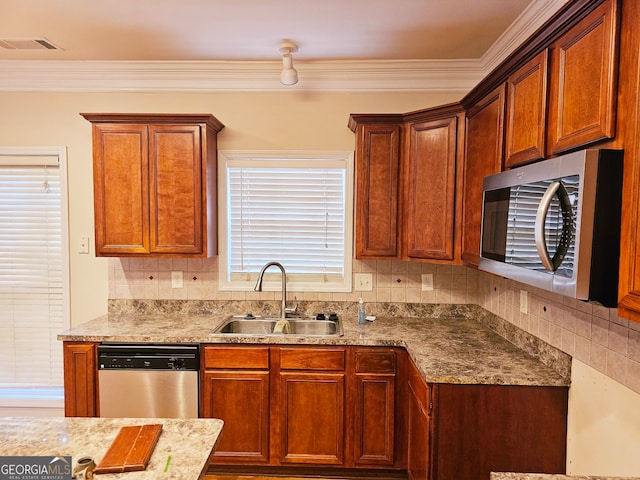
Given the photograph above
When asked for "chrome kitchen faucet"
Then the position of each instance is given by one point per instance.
(258, 287)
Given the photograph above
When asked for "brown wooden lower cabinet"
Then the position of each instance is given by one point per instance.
(374, 402)
(348, 407)
(418, 426)
(478, 429)
(235, 388)
(80, 379)
(312, 421)
(468, 431)
(311, 405)
(297, 406)
(241, 399)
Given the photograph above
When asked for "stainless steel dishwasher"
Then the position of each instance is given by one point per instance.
(148, 381)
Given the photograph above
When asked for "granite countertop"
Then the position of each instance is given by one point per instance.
(445, 350)
(189, 442)
(539, 476)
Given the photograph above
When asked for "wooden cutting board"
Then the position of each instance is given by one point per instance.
(131, 449)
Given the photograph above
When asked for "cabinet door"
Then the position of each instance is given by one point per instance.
(235, 387)
(121, 179)
(176, 189)
(429, 186)
(80, 382)
(527, 112)
(483, 156)
(582, 101)
(629, 284)
(377, 176)
(312, 424)
(375, 378)
(241, 399)
(418, 427)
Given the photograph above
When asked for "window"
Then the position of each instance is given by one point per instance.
(290, 207)
(33, 275)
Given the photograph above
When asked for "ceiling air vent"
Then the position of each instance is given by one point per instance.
(27, 44)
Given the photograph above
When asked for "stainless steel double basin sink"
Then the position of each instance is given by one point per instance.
(270, 326)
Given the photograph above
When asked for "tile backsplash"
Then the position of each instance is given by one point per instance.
(587, 331)
(593, 334)
(393, 281)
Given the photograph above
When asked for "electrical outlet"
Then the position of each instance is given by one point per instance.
(363, 282)
(524, 308)
(177, 279)
(427, 282)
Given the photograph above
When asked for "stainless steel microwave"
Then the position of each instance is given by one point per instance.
(555, 224)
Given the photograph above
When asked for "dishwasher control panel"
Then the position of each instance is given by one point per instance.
(148, 357)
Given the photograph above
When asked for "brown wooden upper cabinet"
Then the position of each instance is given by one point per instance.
(154, 184)
(406, 171)
(429, 188)
(628, 135)
(483, 156)
(416, 199)
(527, 112)
(377, 179)
(574, 80)
(583, 81)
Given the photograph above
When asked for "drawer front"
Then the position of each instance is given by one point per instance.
(312, 359)
(375, 361)
(236, 357)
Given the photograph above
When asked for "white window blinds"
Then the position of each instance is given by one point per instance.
(33, 274)
(293, 208)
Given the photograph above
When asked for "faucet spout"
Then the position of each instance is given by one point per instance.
(258, 287)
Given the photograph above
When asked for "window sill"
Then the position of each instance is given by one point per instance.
(50, 397)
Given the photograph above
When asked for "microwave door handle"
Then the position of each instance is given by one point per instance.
(541, 216)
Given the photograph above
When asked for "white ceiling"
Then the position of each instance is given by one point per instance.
(220, 37)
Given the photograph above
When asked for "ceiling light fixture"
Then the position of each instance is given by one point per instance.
(289, 75)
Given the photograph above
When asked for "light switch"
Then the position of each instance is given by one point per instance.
(177, 279)
(363, 282)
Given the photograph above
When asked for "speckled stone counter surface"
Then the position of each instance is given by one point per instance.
(189, 442)
(538, 476)
(461, 344)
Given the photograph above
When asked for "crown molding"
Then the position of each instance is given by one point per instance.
(521, 30)
(228, 76)
(106, 76)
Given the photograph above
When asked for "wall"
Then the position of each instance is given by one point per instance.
(604, 421)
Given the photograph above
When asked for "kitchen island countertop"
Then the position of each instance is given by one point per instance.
(189, 442)
(455, 350)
